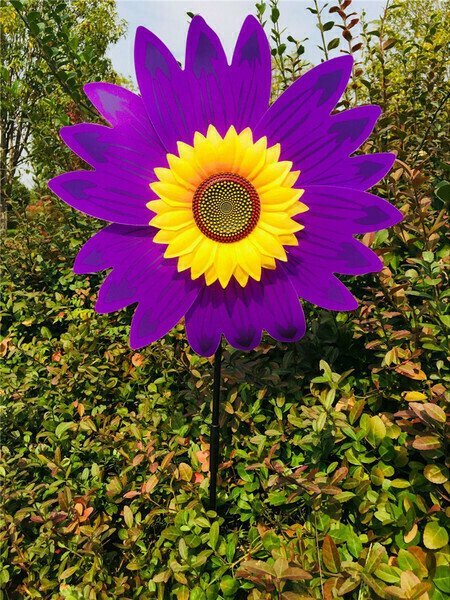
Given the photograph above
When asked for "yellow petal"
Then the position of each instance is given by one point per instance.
(297, 209)
(288, 240)
(249, 258)
(184, 172)
(175, 195)
(207, 155)
(213, 135)
(157, 206)
(246, 137)
(267, 243)
(203, 258)
(279, 223)
(183, 243)
(273, 154)
(165, 175)
(185, 151)
(241, 276)
(184, 262)
(225, 262)
(177, 218)
(254, 159)
(268, 262)
(228, 148)
(291, 178)
(279, 198)
(272, 176)
(210, 275)
(164, 236)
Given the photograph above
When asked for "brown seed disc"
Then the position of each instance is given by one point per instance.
(226, 207)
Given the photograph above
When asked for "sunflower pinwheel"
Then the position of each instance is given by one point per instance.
(222, 209)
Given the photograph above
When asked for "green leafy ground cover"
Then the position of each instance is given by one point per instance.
(334, 481)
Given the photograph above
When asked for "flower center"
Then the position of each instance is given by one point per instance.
(226, 207)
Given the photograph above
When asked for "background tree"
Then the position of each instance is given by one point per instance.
(49, 49)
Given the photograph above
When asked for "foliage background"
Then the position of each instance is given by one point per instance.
(334, 482)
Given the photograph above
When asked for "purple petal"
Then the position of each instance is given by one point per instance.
(334, 253)
(251, 74)
(133, 272)
(111, 246)
(283, 314)
(209, 76)
(358, 172)
(165, 90)
(163, 301)
(317, 285)
(304, 105)
(242, 313)
(104, 196)
(122, 108)
(204, 320)
(345, 210)
(338, 137)
(114, 150)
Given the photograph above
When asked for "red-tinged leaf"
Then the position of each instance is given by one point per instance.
(434, 412)
(330, 555)
(167, 459)
(412, 371)
(149, 485)
(132, 494)
(329, 587)
(296, 574)
(255, 567)
(137, 459)
(394, 592)
(420, 591)
(389, 44)
(339, 475)
(426, 442)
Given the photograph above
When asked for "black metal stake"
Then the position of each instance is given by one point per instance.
(214, 433)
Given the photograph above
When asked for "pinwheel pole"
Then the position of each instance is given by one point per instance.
(214, 432)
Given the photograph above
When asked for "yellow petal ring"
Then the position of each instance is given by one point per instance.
(225, 206)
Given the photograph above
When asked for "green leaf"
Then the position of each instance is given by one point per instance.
(229, 586)
(441, 579)
(128, 516)
(354, 545)
(408, 562)
(68, 572)
(443, 192)
(62, 428)
(197, 594)
(185, 471)
(435, 536)
(271, 541)
(436, 473)
(376, 431)
(333, 44)
(214, 535)
(387, 574)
